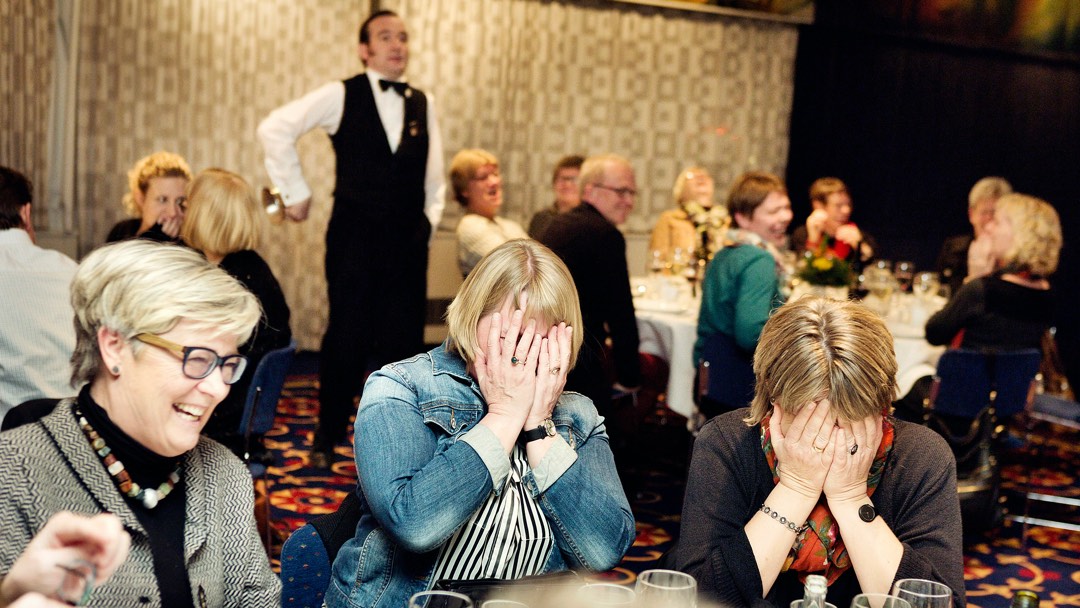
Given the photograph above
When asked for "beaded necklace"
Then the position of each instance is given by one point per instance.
(149, 497)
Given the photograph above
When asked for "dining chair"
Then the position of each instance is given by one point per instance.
(725, 379)
(260, 407)
(973, 393)
(307, 557)
(1049, 420)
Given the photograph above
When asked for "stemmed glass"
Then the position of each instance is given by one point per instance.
(878, 600)
(926, 285)
(904, 273)
(667, 589)
(922, 593)
(439, 599)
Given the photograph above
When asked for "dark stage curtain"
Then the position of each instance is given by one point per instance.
(911, 124)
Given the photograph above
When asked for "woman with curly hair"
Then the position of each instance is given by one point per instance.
(155, 200)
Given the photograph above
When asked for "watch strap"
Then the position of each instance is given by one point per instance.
(546, 429)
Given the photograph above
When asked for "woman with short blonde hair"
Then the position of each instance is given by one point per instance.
(225, 222)
(155, 198)
(474, 175)
(472, 461)
(816, 477)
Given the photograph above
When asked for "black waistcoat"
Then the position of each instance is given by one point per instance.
(377, 187)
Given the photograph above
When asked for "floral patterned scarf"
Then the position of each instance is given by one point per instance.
(819, 549)
(785, 266)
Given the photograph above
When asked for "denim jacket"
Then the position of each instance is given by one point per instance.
(425, 466)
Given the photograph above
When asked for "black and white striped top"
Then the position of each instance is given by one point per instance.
(508, 537)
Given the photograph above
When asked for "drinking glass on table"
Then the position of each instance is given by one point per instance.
(799, 604)
(666, 589)
(606, 594)
(904, 273)
(926, 285)
(439, 599)
(679, 260)
(656, 264)
(880, 283)
(503, 604)
(922, 593)
(878, 600)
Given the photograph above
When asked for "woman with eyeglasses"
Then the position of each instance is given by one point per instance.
(225, 222)
(157, 333)
(474, 174)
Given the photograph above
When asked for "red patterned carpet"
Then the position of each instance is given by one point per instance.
(996, 564)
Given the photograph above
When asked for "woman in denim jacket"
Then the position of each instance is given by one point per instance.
(472, 461)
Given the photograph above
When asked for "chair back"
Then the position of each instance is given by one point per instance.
(968, 381)
(307, 556)
(726, 372)
(265, 390)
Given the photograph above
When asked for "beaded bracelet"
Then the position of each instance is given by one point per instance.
(783, 520)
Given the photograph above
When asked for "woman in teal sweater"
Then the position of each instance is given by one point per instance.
(743, 284)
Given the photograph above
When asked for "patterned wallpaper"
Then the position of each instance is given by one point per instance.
(530, 80)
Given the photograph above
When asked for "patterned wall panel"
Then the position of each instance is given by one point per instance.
(529, 80)
(26, 64)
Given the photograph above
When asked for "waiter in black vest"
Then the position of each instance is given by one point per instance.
(388, 200)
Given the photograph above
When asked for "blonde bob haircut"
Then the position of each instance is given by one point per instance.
(813, 348)
(515, 267)
(464, 166)
(680, 183)
(158, 164)
(222, 214)
(1037, 237)
(140, 286)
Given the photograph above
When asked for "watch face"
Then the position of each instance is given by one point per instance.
(549, 427)
(867, 513)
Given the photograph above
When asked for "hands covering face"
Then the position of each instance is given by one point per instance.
(522, 367)
(820, 454)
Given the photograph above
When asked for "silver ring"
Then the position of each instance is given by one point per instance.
(514, 360)
(854, 448)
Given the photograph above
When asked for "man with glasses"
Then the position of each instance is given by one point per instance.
(587, 240)
(388, 200)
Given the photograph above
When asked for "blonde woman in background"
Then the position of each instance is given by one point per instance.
(226, 223)
(155, 199)
(678, 228)
(474, 175)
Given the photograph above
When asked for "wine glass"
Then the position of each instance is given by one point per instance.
(505, 604)
(880, 284)
(439, 599)
(656, 264)
(678, 262)
(878, 600)
(799, 603)
(606, 594)
(667, 589)
(926, 285)
(904, 273)
(922, 593)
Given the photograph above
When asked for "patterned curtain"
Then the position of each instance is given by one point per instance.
(530, 80)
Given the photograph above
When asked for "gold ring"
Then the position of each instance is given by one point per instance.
(555, 371)
(817, 449)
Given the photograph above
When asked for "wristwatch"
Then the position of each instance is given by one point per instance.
(546, 429)
(867, 512)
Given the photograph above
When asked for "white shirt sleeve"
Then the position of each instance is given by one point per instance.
(434, 176)
(280, 130)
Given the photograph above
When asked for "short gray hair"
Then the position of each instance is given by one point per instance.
(988, 187)
(140, 286)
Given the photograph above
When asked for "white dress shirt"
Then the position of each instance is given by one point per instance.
(323, 108)
(36, 332)
(478, 236)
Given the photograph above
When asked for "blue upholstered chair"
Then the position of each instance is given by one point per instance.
(308, 554)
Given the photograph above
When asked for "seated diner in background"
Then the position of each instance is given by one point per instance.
(473, 463)
(157, 330)
(225, 222)
(474, 175)
(745, 281)
(952, 262)
(564, 180)
(815, 477)
(155, 200)
(694, 218)
(829, 225)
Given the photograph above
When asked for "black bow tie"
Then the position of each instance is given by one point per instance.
(401, 87)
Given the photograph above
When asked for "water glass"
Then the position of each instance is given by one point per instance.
(926, 285)
(606, 594)
(503, 604)
(667, 589)
(922, 593)
(799, 604)
(439, 599)
(878, 600)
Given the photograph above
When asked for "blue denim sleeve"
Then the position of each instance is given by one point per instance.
(419, 493)
(588, 511)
